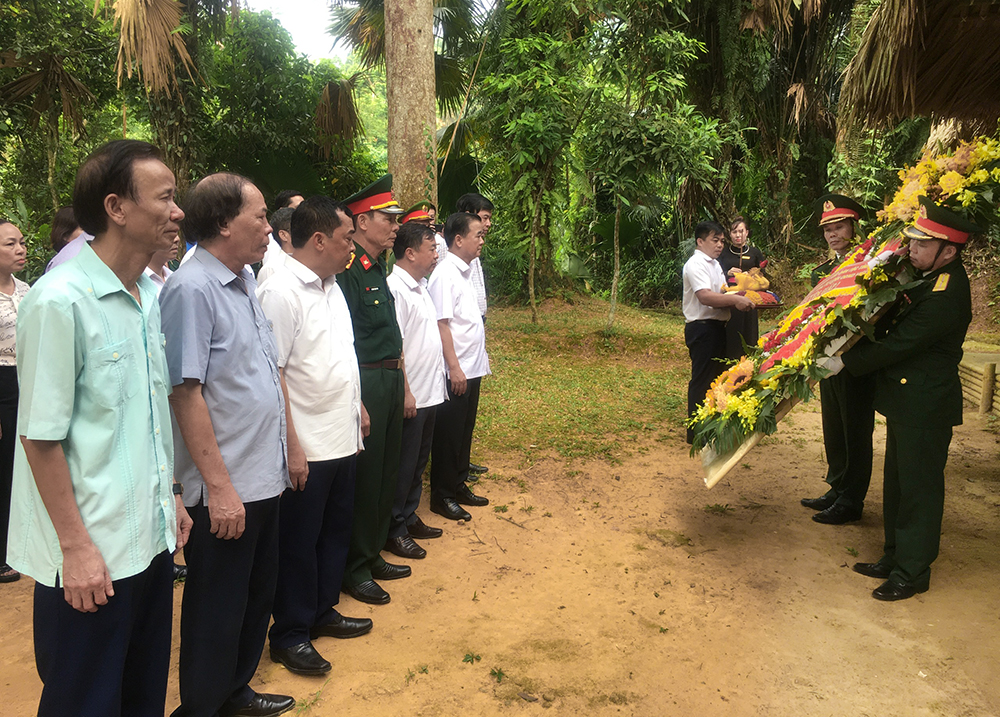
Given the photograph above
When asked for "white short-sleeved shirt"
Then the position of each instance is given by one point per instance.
(702, 272)
(312, 328)
(454, 297)
(269, 265)
(477, 277)
(423, 355)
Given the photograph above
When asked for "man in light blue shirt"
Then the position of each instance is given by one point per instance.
(230, 433)
(94, 520)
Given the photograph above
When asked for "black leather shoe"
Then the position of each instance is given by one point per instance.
(821, 503)
(890, 591)
(478, 470)
(466, 497)
(180, 572)
(342, 627)
(873, 570)
(369, 592)
(390, 571)
(405, 548)
(302, 659)
(263, 705)
(838, 514)
(423, 532)
(449, 509)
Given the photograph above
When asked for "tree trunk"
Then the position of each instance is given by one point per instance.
(409, 79)
(618, 270)
(532, 251)
(51, 149)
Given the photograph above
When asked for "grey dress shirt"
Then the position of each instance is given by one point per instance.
(216, 332)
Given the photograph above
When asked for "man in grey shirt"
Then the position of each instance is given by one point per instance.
(231, 450)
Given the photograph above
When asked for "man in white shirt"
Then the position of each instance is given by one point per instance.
(706, 311)
(464, 341)
(482, 207)
(423, 362)
(322, 386)
(157, 269)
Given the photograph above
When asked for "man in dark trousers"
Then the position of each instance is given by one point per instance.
(846, 400)
(919, 393)
(379, 345)
(230, 437)
(706, 311)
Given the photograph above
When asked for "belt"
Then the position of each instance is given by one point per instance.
(708, 321)
(387, 363)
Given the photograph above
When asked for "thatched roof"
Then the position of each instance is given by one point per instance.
(936, 58)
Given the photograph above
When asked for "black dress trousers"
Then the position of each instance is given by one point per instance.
(226, 608)
(452, 446)
(706, 342)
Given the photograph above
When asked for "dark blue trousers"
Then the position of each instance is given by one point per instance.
(227, 603)
(314, 536)
(418, 433)
(112, 662)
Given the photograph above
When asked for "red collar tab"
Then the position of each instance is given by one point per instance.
(366, 262)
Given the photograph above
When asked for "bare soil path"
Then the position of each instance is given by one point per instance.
(630, 589)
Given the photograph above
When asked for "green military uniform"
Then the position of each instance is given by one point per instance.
(919, 392)
(846, 406)
(379, 346)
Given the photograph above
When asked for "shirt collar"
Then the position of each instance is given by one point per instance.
(102, 279)
(214, 267)
(408, 280)
(705, 256)
(462, 266)
(302, 272)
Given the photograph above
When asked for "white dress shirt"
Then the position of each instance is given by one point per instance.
(702, 272)
(454, 297)
(267, 268)
(422, 352)
(312, 328)
(155, 278)
(478, 280)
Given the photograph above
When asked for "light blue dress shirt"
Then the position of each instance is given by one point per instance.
(93, 375)
(217, 333)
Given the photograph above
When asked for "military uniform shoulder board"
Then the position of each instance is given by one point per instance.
(942, 282)
(366, 262)
(351, 260)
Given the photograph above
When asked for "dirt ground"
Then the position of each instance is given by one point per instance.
(617, 589)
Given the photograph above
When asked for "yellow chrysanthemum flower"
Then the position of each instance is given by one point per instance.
(951, 182)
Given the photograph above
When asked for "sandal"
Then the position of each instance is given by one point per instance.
(8, 574)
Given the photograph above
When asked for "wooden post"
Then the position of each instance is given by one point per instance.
(989, 379)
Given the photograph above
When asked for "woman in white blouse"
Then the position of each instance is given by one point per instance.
(13, 254)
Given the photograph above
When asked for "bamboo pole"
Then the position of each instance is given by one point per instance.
(986, 395)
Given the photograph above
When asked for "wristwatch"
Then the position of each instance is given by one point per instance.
(178, 489)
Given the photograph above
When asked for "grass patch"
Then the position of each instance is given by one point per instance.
(564, 386)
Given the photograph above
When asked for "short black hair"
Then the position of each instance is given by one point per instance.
(704, 229)
(281, 220)
(457, 223)
(211, 204)
(63, 224)
(316, 214)
(473, 203)
(284, 197)
(410, 236)
(108, 170)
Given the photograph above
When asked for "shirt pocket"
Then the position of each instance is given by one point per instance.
(112, 374)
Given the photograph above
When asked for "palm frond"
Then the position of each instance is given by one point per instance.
(926, 57)
(148, 41)
(49, 82)
(337, 122)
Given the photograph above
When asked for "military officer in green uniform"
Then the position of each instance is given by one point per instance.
(379, 345)
(919, 393)
(846, 400)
